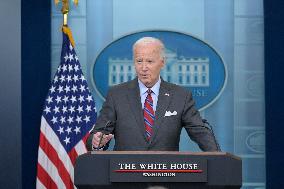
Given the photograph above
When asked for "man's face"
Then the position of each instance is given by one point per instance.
(148, 63)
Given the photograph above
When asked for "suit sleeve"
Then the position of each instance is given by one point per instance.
(195, 127)
(107, 113)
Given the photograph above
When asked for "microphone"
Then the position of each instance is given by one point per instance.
(209, 126)
(105, 131)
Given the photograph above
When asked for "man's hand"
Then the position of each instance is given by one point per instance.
(97, 137)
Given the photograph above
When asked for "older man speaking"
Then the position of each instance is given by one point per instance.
(149, 113)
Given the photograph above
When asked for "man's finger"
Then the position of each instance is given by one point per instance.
(96, 139)
(103, 137)
(106, 139)
(109, 136)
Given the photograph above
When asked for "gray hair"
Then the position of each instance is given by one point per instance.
(147, 40)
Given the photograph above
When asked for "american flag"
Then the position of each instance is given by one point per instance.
(68, 116)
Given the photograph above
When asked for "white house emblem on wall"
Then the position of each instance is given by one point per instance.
(187, 72)
(190, 63)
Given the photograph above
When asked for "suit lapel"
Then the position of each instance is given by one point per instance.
(134, 101)
(164, 100)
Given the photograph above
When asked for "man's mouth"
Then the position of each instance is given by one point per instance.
(144, 75)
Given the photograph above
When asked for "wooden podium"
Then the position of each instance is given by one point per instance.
(172, 170)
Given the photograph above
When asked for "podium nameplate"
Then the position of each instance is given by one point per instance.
(157, 169)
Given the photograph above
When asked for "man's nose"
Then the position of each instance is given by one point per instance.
(144, 66)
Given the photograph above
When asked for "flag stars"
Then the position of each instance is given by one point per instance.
(60, 130)
(79, 119)
(66, 57)
(77, 130)
(70, 120)
(64, 68)
(72, 109)
(58, 99)
(70, 67)
(74, 88)
(68, 130)
(82, 78)
(60, 89)
(47, 110)
(70, 47)
(54, 120)
(56, 110)
(65, 99)
(80, 109)
(82, 88)
(67, 89)
(89, 98)
(87, 119)
(62, 78)
(59, 68)
(52, 89)
(71, 57)
(81, 98)
(55, 79)
(67, 140)
(76, 58)
(75, 78)
(88, 108)
(62, 119)
(64, 109)
(69, 78)
(76, 67)
(49, 99)
(73, 99)
(69, 103)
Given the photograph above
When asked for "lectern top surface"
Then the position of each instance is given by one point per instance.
(168, 152)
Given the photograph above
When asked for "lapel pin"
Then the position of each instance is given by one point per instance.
(167, 94)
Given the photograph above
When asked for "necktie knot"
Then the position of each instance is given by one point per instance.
(149, 91)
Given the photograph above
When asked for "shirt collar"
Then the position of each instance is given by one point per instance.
(155, 88)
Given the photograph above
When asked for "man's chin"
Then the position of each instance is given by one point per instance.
(148, 84)
(145, 82)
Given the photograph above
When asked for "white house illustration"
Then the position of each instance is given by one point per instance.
(187, 72)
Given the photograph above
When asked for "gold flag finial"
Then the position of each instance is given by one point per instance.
(65, 8)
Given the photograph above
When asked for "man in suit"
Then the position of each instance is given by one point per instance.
(149, 113)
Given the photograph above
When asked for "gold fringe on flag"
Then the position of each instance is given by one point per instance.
(68, 32)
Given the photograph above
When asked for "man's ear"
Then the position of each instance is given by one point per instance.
(164, 62)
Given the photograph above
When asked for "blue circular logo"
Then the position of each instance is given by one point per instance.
(190, 63)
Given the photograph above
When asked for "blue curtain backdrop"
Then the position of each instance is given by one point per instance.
(248, 45)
